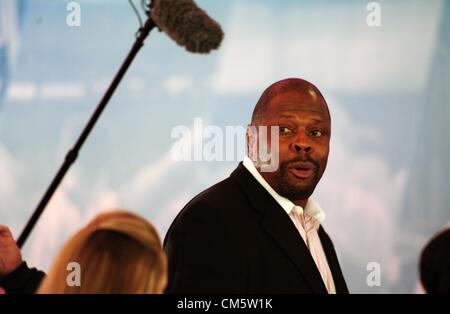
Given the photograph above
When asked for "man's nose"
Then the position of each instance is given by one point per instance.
(302, 143)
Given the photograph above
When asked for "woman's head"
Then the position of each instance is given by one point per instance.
(435, 264)
(118, 252)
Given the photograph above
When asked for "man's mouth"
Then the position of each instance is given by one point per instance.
(302, 170)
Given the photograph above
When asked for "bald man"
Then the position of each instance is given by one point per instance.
(260, 231)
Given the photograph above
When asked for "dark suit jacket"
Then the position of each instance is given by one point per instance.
(235, 238)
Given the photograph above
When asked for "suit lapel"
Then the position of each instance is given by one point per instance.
(280, 228)
(338, 277)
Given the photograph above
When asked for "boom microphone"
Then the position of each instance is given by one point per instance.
(187, 24)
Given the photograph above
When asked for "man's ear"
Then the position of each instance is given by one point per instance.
(252, 143)
(249, 139)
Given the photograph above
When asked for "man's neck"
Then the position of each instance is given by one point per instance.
(301, 203)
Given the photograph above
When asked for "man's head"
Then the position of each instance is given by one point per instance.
(301, 113)
(435, 264)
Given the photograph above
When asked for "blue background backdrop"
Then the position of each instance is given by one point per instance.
(386, 189)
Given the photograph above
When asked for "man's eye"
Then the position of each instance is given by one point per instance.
(316, 133)
(284, 129)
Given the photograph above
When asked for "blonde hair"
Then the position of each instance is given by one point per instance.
(118, 252)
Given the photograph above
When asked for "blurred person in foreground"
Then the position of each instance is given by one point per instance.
(117, 252)
(435, 264)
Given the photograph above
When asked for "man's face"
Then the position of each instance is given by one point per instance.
(304, 138)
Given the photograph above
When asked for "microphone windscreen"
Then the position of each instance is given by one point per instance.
(187, 24)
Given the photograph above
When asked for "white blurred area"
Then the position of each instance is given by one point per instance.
(386, 88)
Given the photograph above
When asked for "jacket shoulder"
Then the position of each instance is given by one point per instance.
(224, 195)
(216, 204)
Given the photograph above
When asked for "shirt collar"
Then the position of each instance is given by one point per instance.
(312, 208)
